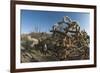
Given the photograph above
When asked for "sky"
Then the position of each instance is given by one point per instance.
(31, 20)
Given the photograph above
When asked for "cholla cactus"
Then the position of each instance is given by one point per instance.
(73, 40)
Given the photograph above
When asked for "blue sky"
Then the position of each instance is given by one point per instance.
(44, 20)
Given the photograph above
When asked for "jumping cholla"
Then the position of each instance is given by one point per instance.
(69, 36)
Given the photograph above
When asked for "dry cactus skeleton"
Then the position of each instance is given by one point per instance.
(73, 37)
